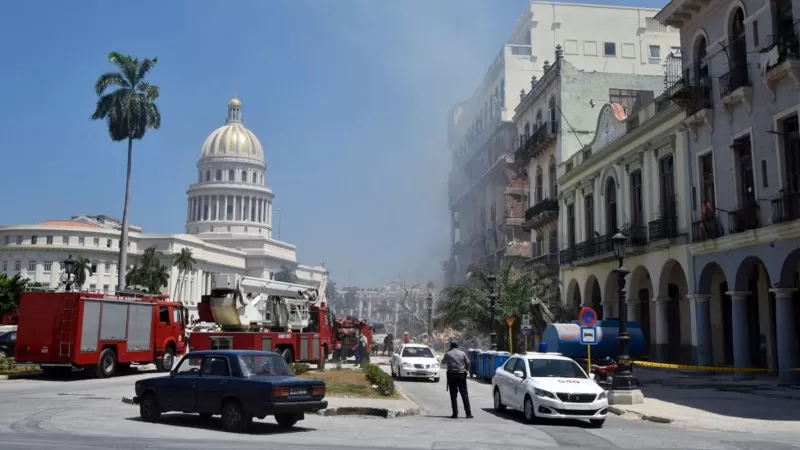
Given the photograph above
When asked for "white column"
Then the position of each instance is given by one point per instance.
(241, 207)
(662, 327)
(225, 216)
(259, 210)
(269, 217)
(188, 209)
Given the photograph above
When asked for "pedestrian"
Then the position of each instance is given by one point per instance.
(406, 339)
(388, 343)
(358, 349)
(365, 347)
(457, 363)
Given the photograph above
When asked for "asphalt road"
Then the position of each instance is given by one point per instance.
(88, 414)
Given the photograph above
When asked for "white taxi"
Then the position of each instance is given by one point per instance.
(548, 385)
(414, 361)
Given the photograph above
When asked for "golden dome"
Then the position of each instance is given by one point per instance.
(235, 102)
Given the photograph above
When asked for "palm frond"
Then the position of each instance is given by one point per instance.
(110, 79)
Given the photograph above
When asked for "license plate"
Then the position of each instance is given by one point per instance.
(298, 391)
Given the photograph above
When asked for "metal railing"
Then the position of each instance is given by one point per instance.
(786, 207)
(744, 218)
(736, 77)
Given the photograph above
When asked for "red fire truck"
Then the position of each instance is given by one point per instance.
(105, 333)
(259, 314)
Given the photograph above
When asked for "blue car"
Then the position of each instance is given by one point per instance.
(239, 385)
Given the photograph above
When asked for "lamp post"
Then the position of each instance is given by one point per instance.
(624, 383)
(492, 306)
(429, 304)
(68, 273)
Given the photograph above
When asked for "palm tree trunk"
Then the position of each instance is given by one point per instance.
(177, 285)
(123, 241)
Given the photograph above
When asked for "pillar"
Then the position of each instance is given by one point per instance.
(741, 333)
(662, 328)
(225, 204)
(785, 330)
(607, 305)
(701, 308)
(633, 308)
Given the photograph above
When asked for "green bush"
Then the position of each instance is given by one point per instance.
(300, 368)
(379, 378)
(6, 363)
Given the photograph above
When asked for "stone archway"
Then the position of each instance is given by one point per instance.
(573, 299)
(673, 324)
(640, 292)
(787, 311)
(713, 285)
(592, 295)
(753, 315)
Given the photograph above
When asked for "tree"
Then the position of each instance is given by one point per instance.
(286, 275)
(10, 289)
(467, 306)
(408, 304)
(185, 263)
(82, 266)
(152, 274)
(129, 110)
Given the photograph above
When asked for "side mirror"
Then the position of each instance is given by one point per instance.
(519, 374)
(592, 375)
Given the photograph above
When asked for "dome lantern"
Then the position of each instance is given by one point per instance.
(233, 139)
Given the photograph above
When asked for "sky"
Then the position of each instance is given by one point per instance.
(349, 99)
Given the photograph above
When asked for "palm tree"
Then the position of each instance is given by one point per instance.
(152, 274)
(82, 266)
(10, 289)
(185, 262)
(286, 275)
(129, 110)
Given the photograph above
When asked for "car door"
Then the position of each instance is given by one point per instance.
(212, 384)
(516, 384)
(182, 387)
(396, 359)
(503, 379)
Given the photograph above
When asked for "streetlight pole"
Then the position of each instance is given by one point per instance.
(625, 386)
(492, 306)
(429, 302)
(68, 273)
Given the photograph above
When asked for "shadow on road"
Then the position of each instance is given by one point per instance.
(214, 423)
(77, 374)
(517, 416)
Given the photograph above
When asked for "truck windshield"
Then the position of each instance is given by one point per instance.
(255, 365)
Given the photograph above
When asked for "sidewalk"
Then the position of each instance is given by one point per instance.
(716, 401)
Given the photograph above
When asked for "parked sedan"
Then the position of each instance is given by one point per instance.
(239, 385)
(8, 339)
(415, 361)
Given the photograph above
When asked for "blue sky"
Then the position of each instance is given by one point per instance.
(348, 97)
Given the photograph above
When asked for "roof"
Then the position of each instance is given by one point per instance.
(69, 223)
(231, 353)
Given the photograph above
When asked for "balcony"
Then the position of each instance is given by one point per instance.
(521, 249)
(745, 218)
(787, 63)
(735, 88)
(694, 97)
(786, 207)
(548, 260)
(710, 226)
(665, 227)
(601, 247)
(544, 135)
(543, 212)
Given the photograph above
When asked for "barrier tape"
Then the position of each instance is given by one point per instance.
(701, 368)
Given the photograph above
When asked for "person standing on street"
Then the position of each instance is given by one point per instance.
(457, 363)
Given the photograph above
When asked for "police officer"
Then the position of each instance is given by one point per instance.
(457, 363)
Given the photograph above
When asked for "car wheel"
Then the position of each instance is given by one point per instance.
(107, 365)
(234, 417)
(149, 410)
(167, 361)
(391, 369)
(530, 413)
(286, 420)
(498, 402)
(597, 423)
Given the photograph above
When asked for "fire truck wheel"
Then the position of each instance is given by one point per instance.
(166, 362)
(234, 417)
(149, 409)
(288, 356)
(107, 365)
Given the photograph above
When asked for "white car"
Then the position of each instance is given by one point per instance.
(547, 385)
(414, 361)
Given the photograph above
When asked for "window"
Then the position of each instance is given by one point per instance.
(108, 243)
(105, 289)
(755, 33)
(538, 245)
(791, 154)
(31, 266)
(221, 343)
(219, 175)
(253, 365)
(65, 240)
(637, 208)
(97, 242)
(34, 239)
(539, 183)
(163, 315)
(655, 51)
(571, 225)
(553, 180)
(5, 266)
(107, 268)
(588, 203)
(666, 170)
(208, 175)
(625, 97)
(19, 240)
(611, 206)
(509, 365)
(216, 366)
(93, 269)
(244, 176)
(92, 288)
(48, 265)
(231, 176)
(553, 245)
(49, 240)
(17, 266)
(81, 240)
(6, 239)
(255, 177)
(609, 49)
(744, 171)
(189, 367)
(177, 316)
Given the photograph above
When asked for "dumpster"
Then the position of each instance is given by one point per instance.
(473, 361)
(564, 338)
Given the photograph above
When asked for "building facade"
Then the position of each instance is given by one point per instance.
(633, 179)
(740, 83)
(488, 192)
(229, 221)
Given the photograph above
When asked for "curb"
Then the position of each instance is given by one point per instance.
(367, 411)
(16, 376)
(647, 417)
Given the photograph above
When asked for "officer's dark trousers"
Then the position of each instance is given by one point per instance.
(457, 383)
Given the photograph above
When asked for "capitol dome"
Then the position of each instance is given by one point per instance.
(233, 139)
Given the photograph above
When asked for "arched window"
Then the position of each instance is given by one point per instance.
(527, 129)
(255, 178)
(208, 175)
(700, 62)
(539, 185)
(538, 119)
(552, 175)
(738, 44)
(612, 226)
(244, 175)
(219, 175)
(553, 116)
(231, 176)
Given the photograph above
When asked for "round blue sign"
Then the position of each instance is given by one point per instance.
(587, 317)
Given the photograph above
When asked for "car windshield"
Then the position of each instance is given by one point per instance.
(7, 336)
(556, 368)
(417, 352)
(254, 365)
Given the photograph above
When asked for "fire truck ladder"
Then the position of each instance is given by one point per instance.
(67, 324)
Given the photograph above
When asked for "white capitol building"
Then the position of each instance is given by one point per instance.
(228, 227)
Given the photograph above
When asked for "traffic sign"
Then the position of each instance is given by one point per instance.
(588, 335)
(525, 331)
(510, 321)
(587, 317)
(526, 322)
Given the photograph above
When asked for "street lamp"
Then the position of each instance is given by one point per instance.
(68, 274)
(492, 305)
(623, 380)
(429, 303)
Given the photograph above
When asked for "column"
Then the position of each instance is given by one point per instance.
(785, 329)
(662, 328)
(703, 351)
(216, 207)
(607, 305)
(260, 210)
(241, 207)
(225, 212)
(188, 209)
(741, 333)
(633, 308)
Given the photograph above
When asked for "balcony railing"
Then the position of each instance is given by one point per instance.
(744, 218)
(548, 260)
(786, 207)
(665, 227)
(710, 226)
(788, 46)
(691, 94)
(546, 205)
(736, 77)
